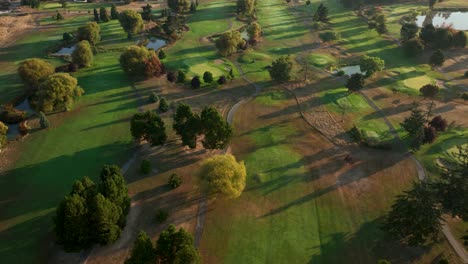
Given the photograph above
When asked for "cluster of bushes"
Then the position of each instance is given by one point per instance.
(48, 91)
(11, 115)
(329, 35)
(93, 213)
(172, 246)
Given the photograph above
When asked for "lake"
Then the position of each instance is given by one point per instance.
(458, 20)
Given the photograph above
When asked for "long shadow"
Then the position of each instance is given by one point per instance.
(30, 190)
(366, 245)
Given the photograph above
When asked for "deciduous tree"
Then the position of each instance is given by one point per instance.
(254, 32)
(148, 126)
(224, 175)
(355, 82)
(217, 130)
(90, 32)
(57, 92)
(439, 123)
(408, 31)
(429, 90)
(228, 42)
(207, 77)
(195, 83)
(33, 71)
(131, 22)
(82, 55)
(371, 65)
(139, 62)
(281, 69)
(437, 58)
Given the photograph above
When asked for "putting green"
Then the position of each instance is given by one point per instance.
(321, 60)
(341, 99)
(418, 82)
(199, 69)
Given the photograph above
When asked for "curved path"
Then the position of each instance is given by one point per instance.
(459, 249)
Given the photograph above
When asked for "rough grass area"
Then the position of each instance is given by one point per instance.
(271, 98)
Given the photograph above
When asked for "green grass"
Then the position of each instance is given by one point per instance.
(321, 60)
(77, 144)
(340, 99)
(195, 56)
(75, 6)
(271, 98)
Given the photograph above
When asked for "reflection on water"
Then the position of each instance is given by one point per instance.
(66, 51)
(156, 43)
(458, 20)
(349, 70)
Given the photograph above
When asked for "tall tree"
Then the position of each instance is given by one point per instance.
(427, 34)
(355, 82)
(228, 42)
(96, 15)
(146, 14)
(414, 125)
(437, 58)
(176, 247)
(371, 65)
(321, 15)
(82, 55)
(33, 71)
(114, 187)
(255, 32)
(90, 32)
(143, 251)
(429, 90)
(103, 16)
(408, 31)
(281, 69)
(245, 7)
(114, 12)
(104, 218)
(415, 216)
(187, 125)
(131, 22)
(217, 130)
(148, 126)
(57, 92)
(139, 62)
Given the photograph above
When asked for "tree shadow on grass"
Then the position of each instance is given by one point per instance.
(367, 245)
(32, 189)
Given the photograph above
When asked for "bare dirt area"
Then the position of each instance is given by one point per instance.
(13, 27)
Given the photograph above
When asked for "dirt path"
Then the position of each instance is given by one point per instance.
(459, 249)
(202, 206)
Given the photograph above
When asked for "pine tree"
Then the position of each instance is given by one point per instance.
(114, 12)
(321, 15)
(43, 121)
(96, 15)
(414, 125)
(103, 16)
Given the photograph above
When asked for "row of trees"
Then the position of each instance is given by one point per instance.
(188, 125)
(172, 246)
(416, 215)
(93, 213)
(429, 36)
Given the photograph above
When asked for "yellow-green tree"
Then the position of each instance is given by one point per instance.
(223, 174)
(3, 132)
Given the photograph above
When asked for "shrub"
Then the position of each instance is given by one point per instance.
(439, 123)
(329, 36)
(145, 166)
(464, 96)
(340, 73)
(33, 71)
(281, 69)
(163, 105)
(171, 76)
(429, 90)
(161, 216)
(153, 97)
(67, 37)
(161, 55)
(11, 115)
(222, 80)
(207, 77)
(181, 76)
(175, 181)
(72, 67)
(43, 121)
(437, 58)
(195, 83)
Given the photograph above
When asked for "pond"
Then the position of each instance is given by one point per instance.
(349, 70)
(458, 20)
(156, 43)
(13, 129)
(65, 51)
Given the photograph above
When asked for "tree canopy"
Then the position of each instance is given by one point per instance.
(57, 92)
(414, 125)
(437, 58)
(131, 22)
(355, 82)
(223, 174)
(93, 213)
(281, 69)
(90, 32)
(148, 126)
(415, 216)
(228, 42)
(103, 15)
(3, 133)
(139, 62)
(82, 55)
(321, 14)
(245, 7)
(33, 71)
(408, 31)
(143, 251)
(371, 65)
(254, 32)
(217, 130)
